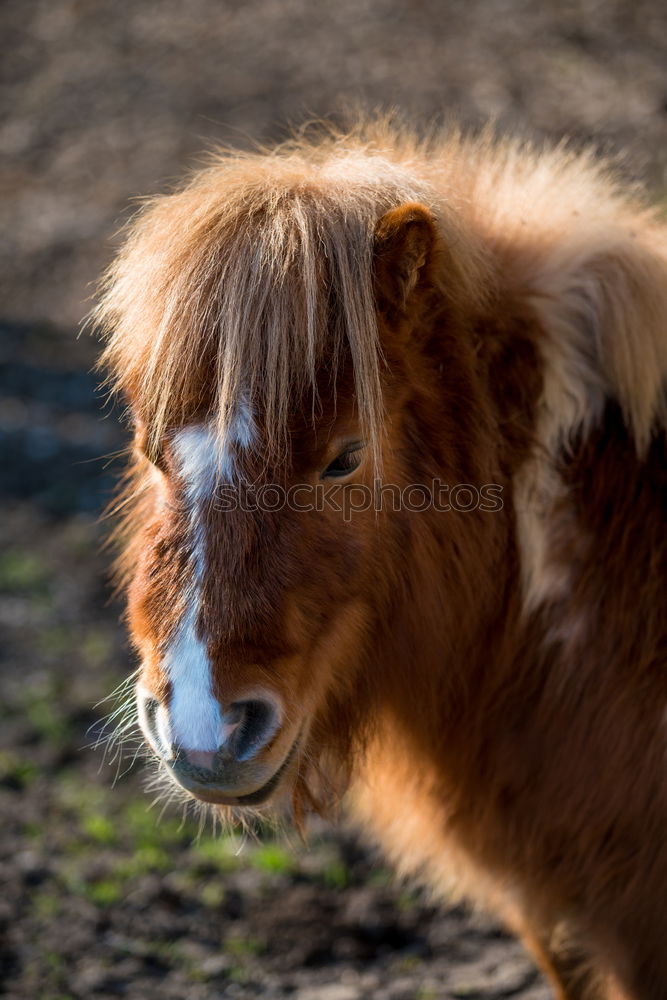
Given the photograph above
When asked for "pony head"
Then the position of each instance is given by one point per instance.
(269, 332)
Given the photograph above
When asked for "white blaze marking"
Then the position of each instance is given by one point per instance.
(195, 718)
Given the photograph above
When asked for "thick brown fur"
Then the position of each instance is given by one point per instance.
(490, 685)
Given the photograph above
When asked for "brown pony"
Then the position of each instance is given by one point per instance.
(398, 517)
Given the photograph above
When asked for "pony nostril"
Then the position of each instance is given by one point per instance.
(204, 760)
(154, 723)
(259, 722)
(242, 731)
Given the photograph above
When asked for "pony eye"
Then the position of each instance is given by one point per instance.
(346, 462)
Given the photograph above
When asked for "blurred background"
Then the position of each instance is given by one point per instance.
(101, 102)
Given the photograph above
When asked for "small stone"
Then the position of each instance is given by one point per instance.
(333, 991)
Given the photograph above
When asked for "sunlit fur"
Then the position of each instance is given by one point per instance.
(489, 687)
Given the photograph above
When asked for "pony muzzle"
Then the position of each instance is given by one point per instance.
(239, 771)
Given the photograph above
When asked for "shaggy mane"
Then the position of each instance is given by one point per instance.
(254, 275)
(260, 270)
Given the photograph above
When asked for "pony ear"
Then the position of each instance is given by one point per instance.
(404, 242)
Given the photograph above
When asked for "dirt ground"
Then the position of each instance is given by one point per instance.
(103, 896)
